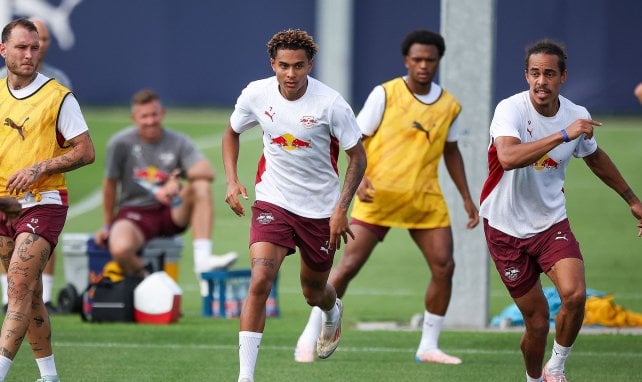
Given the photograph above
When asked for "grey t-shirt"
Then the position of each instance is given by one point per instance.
(140, 167)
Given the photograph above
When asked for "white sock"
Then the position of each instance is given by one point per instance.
(5, 365)
(531, 379)
(312, 330)
(430, 332)
(558, 357)
(331, 315)
(47, 287)
(249, 343)
(202, 251)
(5, 287)
(47, 366)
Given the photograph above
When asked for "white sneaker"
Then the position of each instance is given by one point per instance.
(304, 354)
(437, 356)
(216, 262)
(330, 335)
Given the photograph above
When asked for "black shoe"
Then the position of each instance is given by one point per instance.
(51, 309)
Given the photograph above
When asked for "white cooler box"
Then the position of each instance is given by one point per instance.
(83, 261)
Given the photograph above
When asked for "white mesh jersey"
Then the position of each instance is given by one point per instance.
(525, 201)
(301, 140)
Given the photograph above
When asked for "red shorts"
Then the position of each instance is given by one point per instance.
(45, 220)
(520, 261)
(378, 230)
(153, 221)
(279, 226)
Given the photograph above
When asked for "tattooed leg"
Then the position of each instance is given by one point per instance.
(266, 259)
(26, 314)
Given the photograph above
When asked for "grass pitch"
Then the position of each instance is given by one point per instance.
(389, 288)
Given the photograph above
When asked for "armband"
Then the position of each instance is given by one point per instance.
(565, 135)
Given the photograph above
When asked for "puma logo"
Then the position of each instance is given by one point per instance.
(9, 122)
(32, 227)
(418, 126)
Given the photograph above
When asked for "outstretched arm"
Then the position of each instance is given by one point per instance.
(82, 153)
(455, 166)
(339, 227)
(231, 147)
(602, 166)
(512, 153)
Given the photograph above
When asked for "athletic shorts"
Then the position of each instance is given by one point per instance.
(273, 224)
(520, 261)
(378, 230)
(45, 220)
(153, 221)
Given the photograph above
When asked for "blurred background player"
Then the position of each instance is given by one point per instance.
(408, 122)
(638, 92)
(143, 196)
(51, 72)
(305, 124)
(533, 136)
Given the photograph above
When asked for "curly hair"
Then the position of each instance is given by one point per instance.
(292, 39)
(547, 46)
(423, 37)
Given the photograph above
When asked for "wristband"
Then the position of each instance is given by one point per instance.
(106, 227)
(565, 135)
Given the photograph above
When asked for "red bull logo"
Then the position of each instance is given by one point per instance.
(545, 162)
(289, 142)
(150, 174)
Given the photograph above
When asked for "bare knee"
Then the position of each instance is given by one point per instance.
(575, 300)
(260, 286)
(443, 269)
(537, 325)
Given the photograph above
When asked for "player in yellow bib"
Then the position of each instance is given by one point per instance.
(409, 123)
(43, 135)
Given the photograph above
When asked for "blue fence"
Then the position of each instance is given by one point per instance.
(202, 53)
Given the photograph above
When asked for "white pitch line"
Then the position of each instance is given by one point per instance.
(347, 349)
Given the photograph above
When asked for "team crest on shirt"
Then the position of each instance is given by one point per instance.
(511, 273)
(308, 121)
(265, 218)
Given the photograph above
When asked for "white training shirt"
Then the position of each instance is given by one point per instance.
(371, 114)
(301, 138)
(525, 201)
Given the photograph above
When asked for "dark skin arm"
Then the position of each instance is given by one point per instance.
(455, 166)
(339, 227)
(604, 168)
(512, 153)
(231, 147)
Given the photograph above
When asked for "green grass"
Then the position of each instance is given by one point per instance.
(390, 287)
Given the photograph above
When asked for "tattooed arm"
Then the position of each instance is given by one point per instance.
(82, 153)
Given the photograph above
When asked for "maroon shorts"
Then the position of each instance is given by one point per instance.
(378, 230)
(45, 220)
(520, 261)
(279, 226)
(153, 221)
